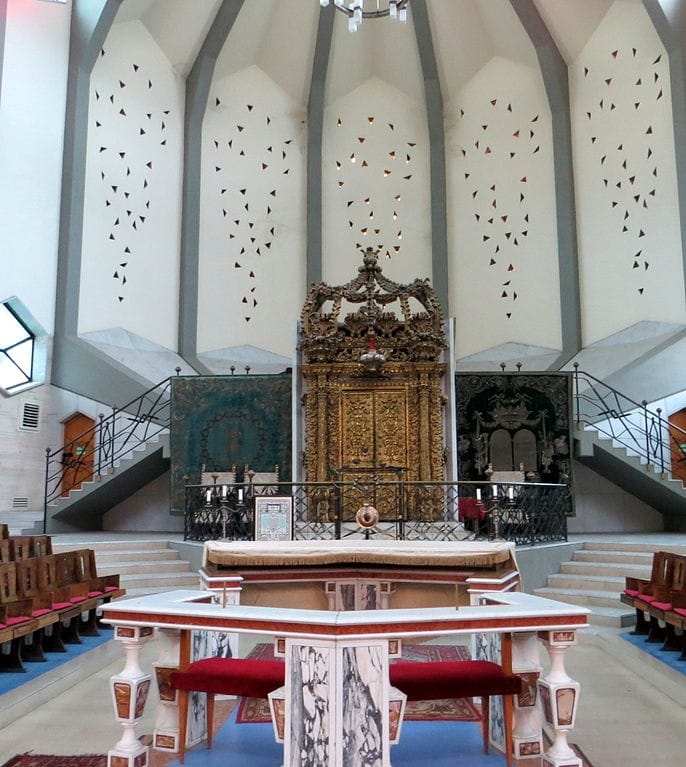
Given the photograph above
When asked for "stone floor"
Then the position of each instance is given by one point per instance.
(632, 709)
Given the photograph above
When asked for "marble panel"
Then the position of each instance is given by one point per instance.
(309, 720)
(363, 682)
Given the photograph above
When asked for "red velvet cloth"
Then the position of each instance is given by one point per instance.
(472, 508)
(16, 619)
(662, 605)
(231, 676)
(452, 679)
(647, 598)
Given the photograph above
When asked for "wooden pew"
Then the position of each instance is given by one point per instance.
(51, 606)
(16, 619)
(653, 598)
(76, 571)
(676, 617)
(47, 599)
(25, 546)
(639, 592)
(673, 611)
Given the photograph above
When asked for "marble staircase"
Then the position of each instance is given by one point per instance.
(594, 578)
(146, 566)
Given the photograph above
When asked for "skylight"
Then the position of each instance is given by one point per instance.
(18, 348)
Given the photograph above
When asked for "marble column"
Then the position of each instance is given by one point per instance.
(129, 694)
(337, 713)
(527, 737)
(559, 696)
(166, 732)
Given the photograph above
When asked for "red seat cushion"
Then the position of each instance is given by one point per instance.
(452, 679)
(61, 605)
(662, 605)
(111, 588)
(16, 619)
(231, 676)
(40, 612)
(632, 592)
(76, 600)
(680, 611)
(648, 598)
(92, 594)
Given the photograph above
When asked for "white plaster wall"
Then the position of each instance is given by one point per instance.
(34, 80)
(23, 453)
(503, 266)
(145, 511)
(375, 184)
(603, 507)
(132, 213)
(251, 278)
(630, 256)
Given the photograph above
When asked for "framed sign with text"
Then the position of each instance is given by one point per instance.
(273, 517)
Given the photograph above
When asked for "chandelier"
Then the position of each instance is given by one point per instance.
(355, 10)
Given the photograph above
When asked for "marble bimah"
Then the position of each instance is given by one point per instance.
(337, 707)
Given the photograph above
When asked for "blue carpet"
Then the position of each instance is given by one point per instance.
(668, 657)
(452, 744)
(10, 680)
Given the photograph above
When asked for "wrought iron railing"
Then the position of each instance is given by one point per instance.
(633, 425)
(526, 513)
(95, 452)
(419, 509)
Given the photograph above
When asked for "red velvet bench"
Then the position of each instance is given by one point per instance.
(460, 679)
(223, 676)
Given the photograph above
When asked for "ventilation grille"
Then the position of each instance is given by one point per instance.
(30, 416)
(20, 502)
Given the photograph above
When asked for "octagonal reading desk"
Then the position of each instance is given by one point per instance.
(341, 660)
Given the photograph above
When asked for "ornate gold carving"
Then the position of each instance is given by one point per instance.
(390, 423)
(328, 337)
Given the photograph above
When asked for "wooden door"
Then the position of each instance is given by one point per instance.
(79, 453)
(374, 444)
(678, 419)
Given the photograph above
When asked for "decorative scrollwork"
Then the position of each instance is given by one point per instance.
(408, 335)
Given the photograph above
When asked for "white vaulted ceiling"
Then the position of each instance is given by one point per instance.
(527, 141)
(278, 36)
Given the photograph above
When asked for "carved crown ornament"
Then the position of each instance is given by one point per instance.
(389, 321)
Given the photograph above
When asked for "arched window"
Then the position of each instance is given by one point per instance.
(22, 348)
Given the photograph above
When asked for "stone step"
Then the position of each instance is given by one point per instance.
(142, 568)
(160, 581)
(644, 558)
(617, 615)
(605, 569)
(632, 546)
(107, 558)
(151, 544)
(584, 597)
(614, 584)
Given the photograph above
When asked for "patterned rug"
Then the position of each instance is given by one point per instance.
(42, 760)
(256, 710)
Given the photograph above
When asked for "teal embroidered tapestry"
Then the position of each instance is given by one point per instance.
(223, 421)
